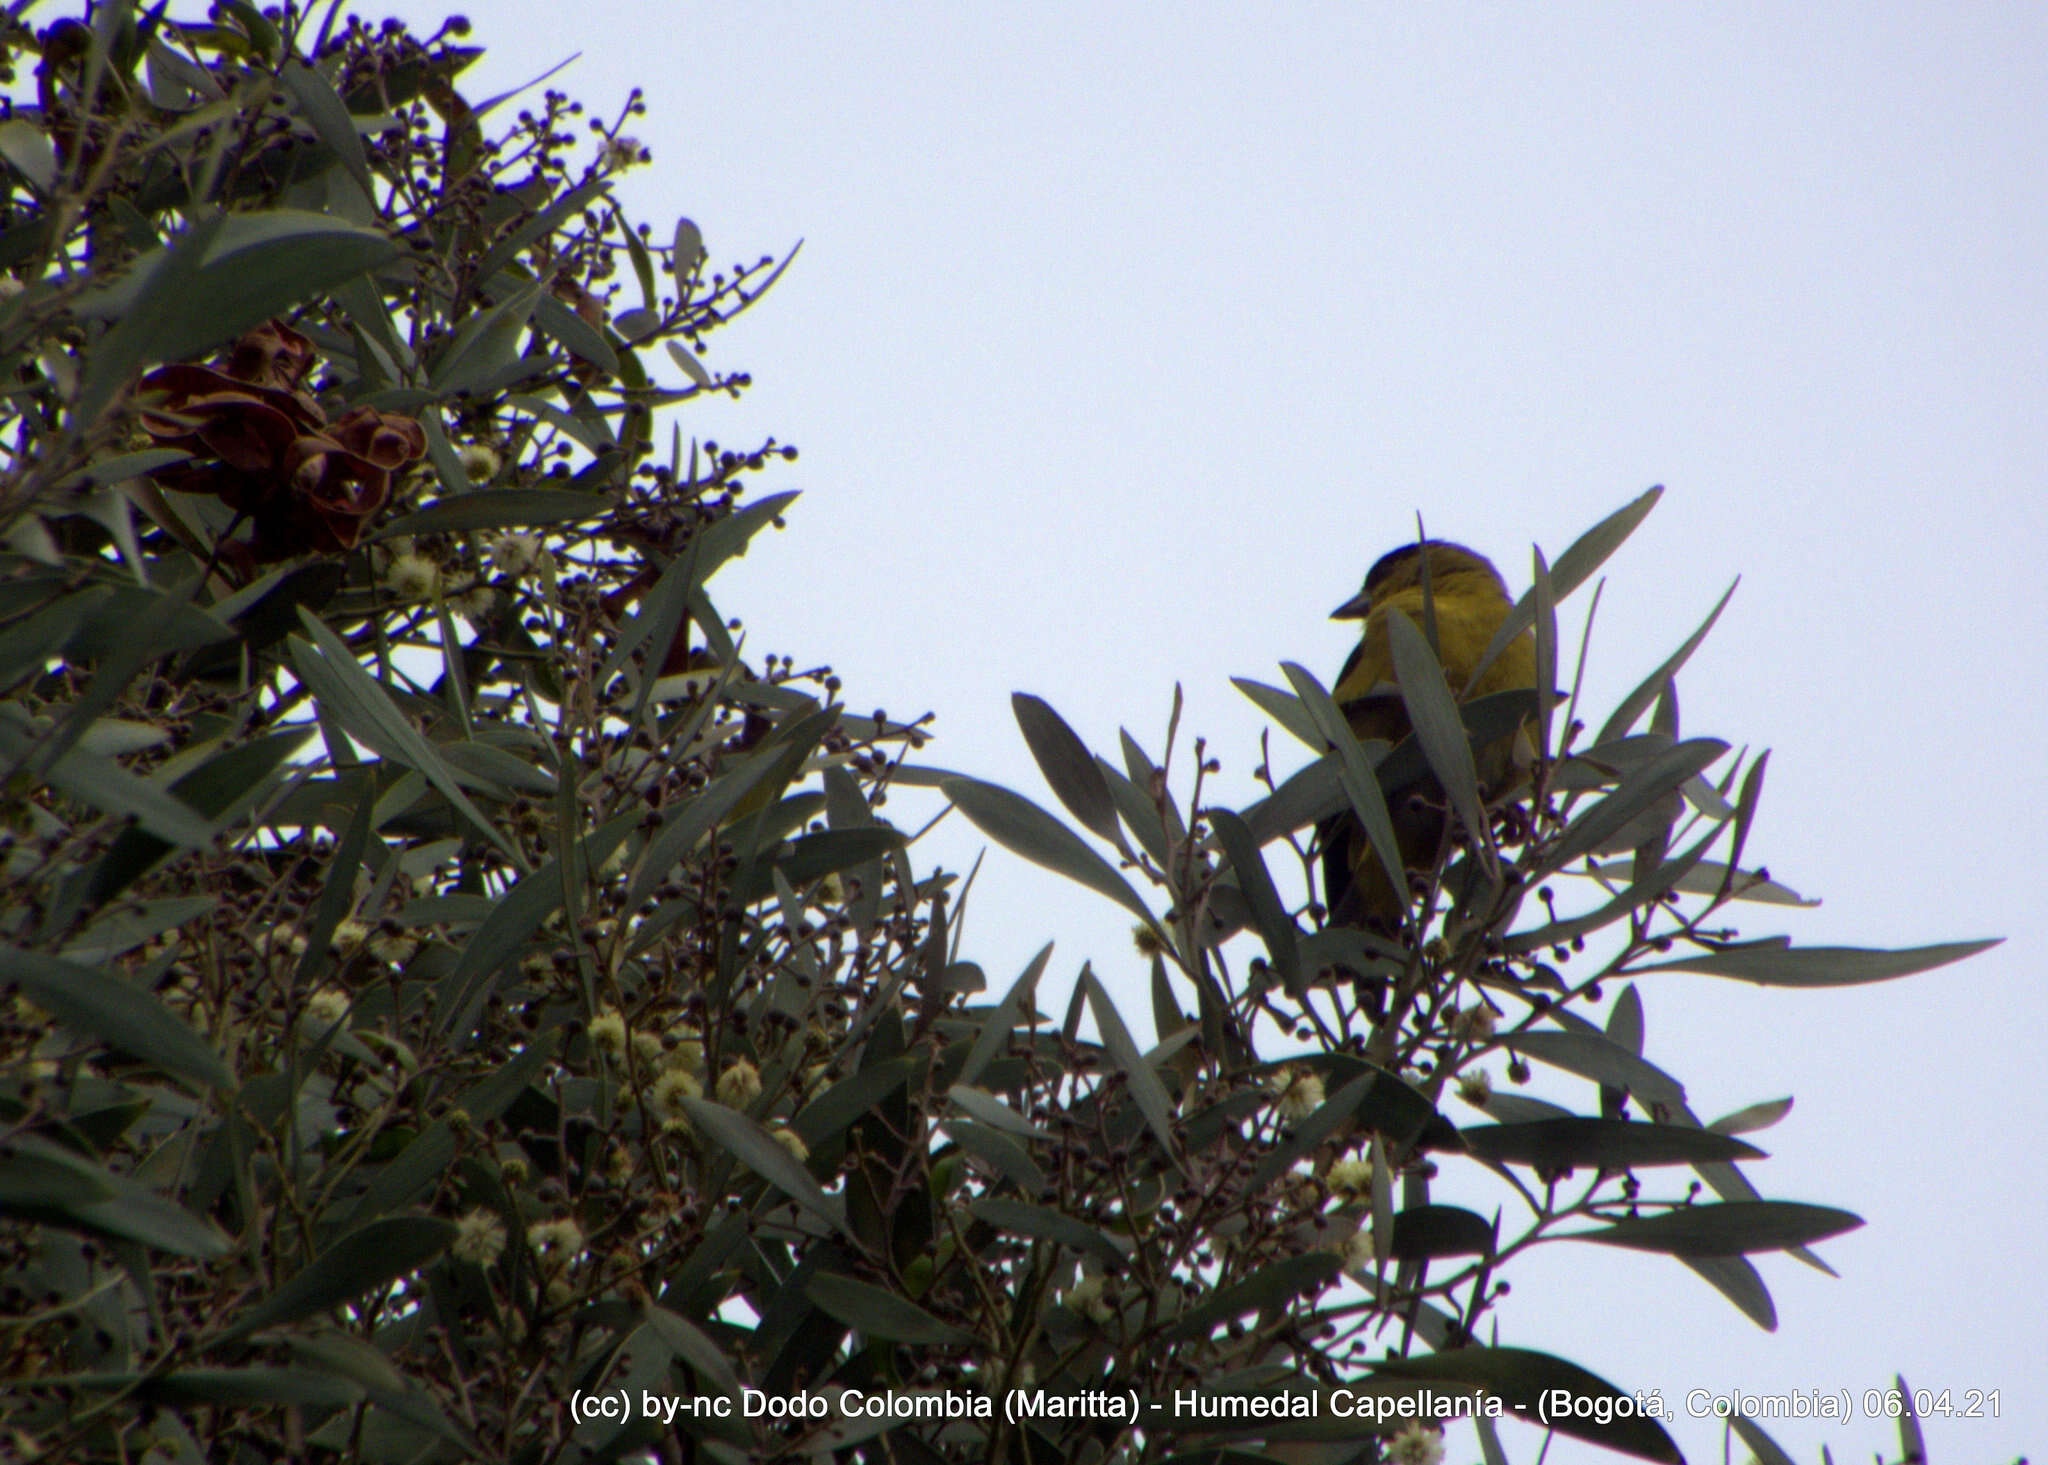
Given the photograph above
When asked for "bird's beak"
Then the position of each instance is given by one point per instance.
(1354, 609)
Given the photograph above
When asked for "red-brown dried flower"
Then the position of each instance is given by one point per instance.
(261, 444)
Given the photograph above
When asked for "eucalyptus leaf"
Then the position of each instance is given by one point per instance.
(364, 1261)
(1556, 1145)
(1271, 1287)
(250, 267)
(1284, 708)
(1043, 1223)
(117, 1012)
(330, 120)
(1821, 966)
(1737, 1279)
(878, 1313)
(1023, 828)
(1150, 1094)
(354, 698)
(498, 508)
(1275, 926)
(1006, 1017)
(1070, 770)
(1725, 1228)
(1523, 1379)
(750, 1144)
(1439, 730)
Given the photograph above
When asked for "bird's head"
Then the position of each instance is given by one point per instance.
(1402, 569)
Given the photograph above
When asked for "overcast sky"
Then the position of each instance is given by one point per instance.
(1125, 337)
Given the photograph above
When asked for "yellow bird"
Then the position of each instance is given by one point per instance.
(1470, 601)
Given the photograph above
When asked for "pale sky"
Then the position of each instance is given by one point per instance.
(1125, 337)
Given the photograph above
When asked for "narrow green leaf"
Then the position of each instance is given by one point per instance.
(1138, 812)
(1912, 1445)
(504, 251)
(330, 121)
(765, 772)
(1426, 1232)
(1355, 772)
(301, 1388)
(1167, 1017)
(1746, 802)
(1008, 1015)
(513, 918)
(1738, 1280)
(750, 1144)
(1150, 780)
(1587, 553)
(1754, 1117)
(28, 150)
(1284, 708)
(218, 789)
(484, 344)
(1767, 1450)
(1656, 779)
(498, 508)
(1821, 966)
(685, 359)
(1726, 1228)
(493, 1094)
(116, 1012)
(112, 472)
(1275, 926)
(1002, 1155)
(132, 1213)
(1070, 770)
(362, 1262)
(1269, 1288)
(257, 265)
(1340, 1109)
(54, 1180)
(1652, 686)
(1595, 1056)
(1023, 828)
(1625, 1021)
(985, 1108)
(1146, 1089)
(355, 699)
(1305, 797)
(1712, 877)
(1543, 613)
(579, 337)
(833, 1112)
(1021, 1218)
(1523, 1379)
(1553, 1145)
(346, 1357)
(689, 1343)
(364, 307)
(877, 1313)
(686, 251)
(408, 1177)
(1438, 728)
(643, 263)
(149, 314)
(811, 857)
(128, 925)
(1638, 890)
(362, 1363)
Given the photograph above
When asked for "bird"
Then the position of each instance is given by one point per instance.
(1468, 601)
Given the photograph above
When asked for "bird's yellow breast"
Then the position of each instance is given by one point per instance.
(1469, 610)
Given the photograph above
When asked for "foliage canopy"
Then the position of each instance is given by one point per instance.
(450, 983)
